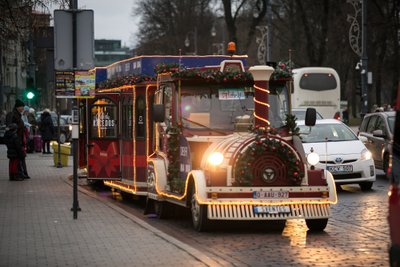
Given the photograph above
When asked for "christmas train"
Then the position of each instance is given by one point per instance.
(206, 133)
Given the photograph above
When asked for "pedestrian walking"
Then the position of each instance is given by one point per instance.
(46, 130)
(15, 153)
(15, 116)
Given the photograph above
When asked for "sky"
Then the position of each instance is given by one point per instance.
(112, 19)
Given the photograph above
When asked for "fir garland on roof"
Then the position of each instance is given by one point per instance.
(166, 67)
(283, 71)
(125, 80)
(214, 75)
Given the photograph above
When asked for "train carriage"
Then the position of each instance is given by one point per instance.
(206, 134)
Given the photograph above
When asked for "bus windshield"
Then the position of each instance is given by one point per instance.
(216, 108)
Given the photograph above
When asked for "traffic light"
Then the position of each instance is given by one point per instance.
(30, 93)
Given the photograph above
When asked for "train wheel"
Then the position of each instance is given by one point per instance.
(161, 209)
(316, 225)
(199, 215)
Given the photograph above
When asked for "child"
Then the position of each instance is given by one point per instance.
(15, 153)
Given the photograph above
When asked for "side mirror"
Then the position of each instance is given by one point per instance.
(378, 133)
(158, 113)
(311, 117)
(363, 139)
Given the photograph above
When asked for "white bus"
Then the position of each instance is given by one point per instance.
(317, 87)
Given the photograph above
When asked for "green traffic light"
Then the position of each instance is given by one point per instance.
(30, 95)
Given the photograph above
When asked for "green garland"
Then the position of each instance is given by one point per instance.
(264, 144)
(166, 67)
(291, 124)
(283, 71)
(215, 76)
(125, 80)
(175, 183)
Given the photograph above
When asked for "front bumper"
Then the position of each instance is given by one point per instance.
(363, 171)
(246, 212)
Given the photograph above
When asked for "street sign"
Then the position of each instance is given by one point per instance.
(65, 84)
(85, 84)
(63, 39)
(78, 84)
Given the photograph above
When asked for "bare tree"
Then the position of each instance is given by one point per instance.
(244, 14)
(165, 24)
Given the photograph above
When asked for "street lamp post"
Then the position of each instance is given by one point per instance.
(354, 39)
(364, 60)
(187, 41)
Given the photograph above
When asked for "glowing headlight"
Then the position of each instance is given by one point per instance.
(365, 154)
(312, 158)
(215, 158)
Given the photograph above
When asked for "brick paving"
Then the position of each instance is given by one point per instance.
(37, 226)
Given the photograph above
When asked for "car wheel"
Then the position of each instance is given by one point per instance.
(316, 225)
(366, 186)
(385, 163)
(62, 138)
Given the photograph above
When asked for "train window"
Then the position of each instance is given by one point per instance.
(127, 117)
(103, 114)
(140, 117)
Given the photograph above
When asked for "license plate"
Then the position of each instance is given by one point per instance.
(340, 168)
(271, 194)
(271, 209)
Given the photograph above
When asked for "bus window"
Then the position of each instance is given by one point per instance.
(103, 117)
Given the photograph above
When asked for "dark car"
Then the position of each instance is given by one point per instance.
(65, 127)
(376, 131)
(394, 198)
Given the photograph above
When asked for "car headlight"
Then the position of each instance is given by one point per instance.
(366, 154)
(216, 158)
(312, 158)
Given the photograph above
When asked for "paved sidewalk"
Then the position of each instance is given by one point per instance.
(37, 226)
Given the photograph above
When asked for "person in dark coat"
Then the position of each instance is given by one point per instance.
(14, 153)
(15, 116)
(46, 130)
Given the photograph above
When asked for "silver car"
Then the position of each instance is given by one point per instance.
(376, 132)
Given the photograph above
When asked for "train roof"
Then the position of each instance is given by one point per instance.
(145, 65)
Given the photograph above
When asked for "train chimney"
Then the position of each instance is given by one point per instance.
(261, 75)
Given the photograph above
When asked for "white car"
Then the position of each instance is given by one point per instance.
(340, 152)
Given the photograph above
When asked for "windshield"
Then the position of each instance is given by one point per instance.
(326, 132)
(216, 108)
(278, 100)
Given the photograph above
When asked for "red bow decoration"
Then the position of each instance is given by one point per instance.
(107, 160)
